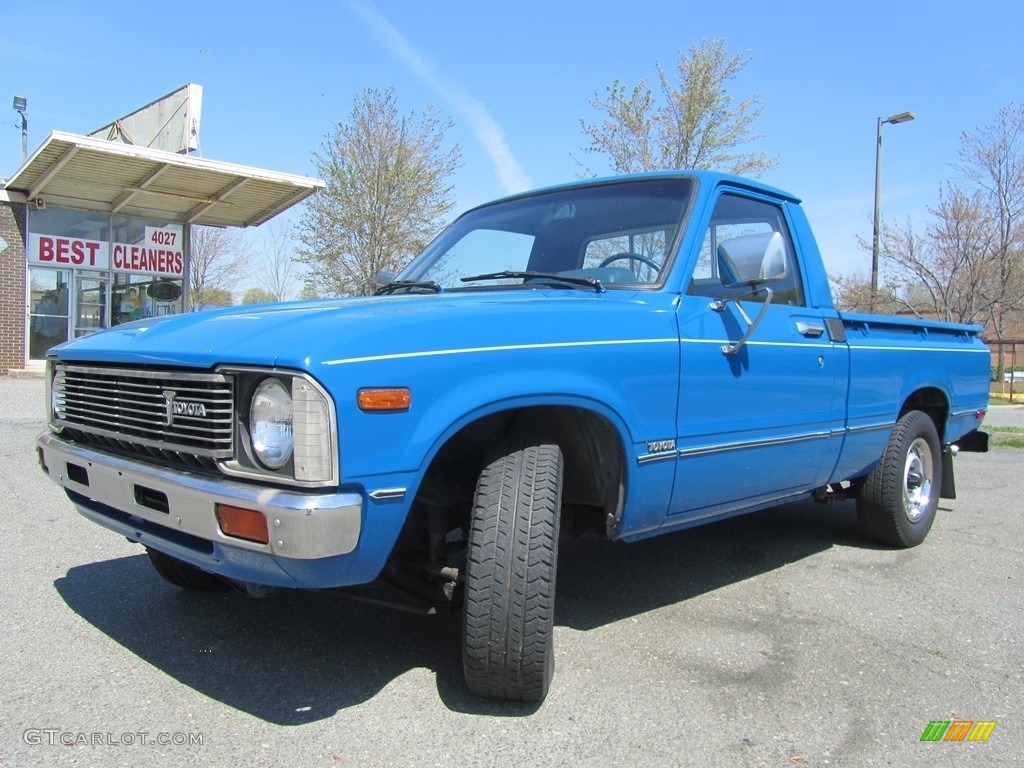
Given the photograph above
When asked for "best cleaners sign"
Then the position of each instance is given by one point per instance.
(54, 251)
(159, 253)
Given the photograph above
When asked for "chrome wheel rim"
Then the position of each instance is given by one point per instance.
(918, 475)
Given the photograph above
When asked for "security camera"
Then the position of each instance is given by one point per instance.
(40, 204)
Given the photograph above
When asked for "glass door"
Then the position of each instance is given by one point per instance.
(92, 290)
(47, 310)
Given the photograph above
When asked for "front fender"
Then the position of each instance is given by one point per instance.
(634, 388)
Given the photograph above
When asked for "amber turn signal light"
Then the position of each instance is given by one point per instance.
(242, 523)
(382, 400)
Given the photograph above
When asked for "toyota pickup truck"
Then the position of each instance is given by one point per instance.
(621, 357)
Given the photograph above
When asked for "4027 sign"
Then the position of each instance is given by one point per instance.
(169, 236)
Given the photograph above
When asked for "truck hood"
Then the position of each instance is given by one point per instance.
(304, 335)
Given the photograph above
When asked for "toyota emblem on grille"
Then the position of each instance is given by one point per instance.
(175, 407)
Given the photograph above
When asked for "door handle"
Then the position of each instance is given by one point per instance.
(809, 329)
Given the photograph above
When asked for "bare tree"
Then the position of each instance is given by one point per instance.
(968, 264)
(215, 264)
(274, 262)
(992, 158)
(961, 238)
(695, 123)
(387, 191)
(941, 272)
(920, 277)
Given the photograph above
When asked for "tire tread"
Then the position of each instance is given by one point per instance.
(509, 604)
(880, 497)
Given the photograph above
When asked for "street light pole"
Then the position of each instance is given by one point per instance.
(902, 117)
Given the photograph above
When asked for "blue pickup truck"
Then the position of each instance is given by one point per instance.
(622, 357)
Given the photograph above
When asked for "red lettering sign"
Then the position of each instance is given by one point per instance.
(70, 250)
(139, 258)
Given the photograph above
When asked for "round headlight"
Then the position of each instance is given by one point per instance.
(270, 424)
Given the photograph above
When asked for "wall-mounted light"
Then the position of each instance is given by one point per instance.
(21, 107)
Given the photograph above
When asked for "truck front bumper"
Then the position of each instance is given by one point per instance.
(175, 512)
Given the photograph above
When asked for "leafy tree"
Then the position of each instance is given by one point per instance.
(693, 123)
(258, 296)
(209, 298)
(215, 265)
(852, 293)
(387, 191)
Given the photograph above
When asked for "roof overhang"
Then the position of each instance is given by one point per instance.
(98, 175)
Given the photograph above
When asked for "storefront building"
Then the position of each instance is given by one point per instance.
(96, 233)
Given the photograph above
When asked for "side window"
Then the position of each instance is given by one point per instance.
(747, 239)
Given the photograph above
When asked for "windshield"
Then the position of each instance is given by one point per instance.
(617, 233)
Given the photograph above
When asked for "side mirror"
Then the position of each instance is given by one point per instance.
(383, 278)
(752, 259)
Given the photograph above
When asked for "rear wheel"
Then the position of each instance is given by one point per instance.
(184, 575)
(897, 501)
(508, 626)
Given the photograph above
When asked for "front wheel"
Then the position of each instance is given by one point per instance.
(184, 575)
(508, 625)
(897, 501)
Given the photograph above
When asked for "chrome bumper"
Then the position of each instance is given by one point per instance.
(302, 525)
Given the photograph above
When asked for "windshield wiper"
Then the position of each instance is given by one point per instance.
(590, 282)
(409, 285)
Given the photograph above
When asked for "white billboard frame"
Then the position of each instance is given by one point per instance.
(169, 123)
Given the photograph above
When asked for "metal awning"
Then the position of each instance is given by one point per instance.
(98, 175)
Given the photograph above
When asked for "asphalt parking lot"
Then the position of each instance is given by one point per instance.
(779, 639)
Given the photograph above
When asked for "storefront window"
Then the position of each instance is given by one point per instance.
(112, 270)
(66, 223)
(145, 296)
(149, 267)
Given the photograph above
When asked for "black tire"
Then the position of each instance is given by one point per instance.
(897, 501)
(183, 575)
(508, 621)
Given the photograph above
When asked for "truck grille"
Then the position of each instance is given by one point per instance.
(169, 416)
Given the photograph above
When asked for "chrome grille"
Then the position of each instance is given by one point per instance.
(131, 410)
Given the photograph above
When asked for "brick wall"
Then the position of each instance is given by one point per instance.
(12, 287)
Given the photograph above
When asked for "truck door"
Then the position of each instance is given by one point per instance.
(757, 421)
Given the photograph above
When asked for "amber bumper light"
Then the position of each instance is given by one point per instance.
(243, 523)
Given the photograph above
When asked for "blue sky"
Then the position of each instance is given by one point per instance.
(516, 79)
